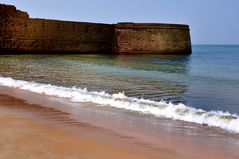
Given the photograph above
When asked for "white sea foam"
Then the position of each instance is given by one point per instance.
(219, 119)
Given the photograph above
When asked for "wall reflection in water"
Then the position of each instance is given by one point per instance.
(152, 77)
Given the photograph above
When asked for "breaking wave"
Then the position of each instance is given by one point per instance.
(182, 112)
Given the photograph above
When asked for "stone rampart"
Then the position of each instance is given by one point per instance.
(19, 33)
(152, 38)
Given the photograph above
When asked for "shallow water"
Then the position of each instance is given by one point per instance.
(208, 79)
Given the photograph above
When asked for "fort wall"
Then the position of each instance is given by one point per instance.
(152, 38)
(19, 33)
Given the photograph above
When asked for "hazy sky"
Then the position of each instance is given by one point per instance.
(211, 21)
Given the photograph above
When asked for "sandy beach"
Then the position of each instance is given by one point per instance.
(23, 137)
(26, 134)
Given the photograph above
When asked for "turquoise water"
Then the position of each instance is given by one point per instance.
(207, 79)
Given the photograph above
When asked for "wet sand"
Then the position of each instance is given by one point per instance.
(22, 137)
(29, 130)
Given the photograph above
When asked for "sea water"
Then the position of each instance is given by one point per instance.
(202, 88)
